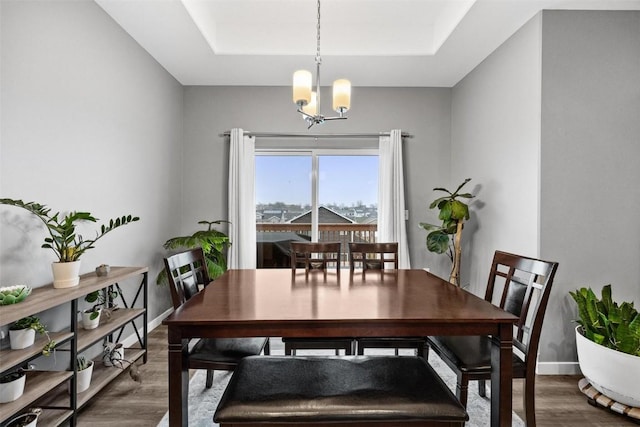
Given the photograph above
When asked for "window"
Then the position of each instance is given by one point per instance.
(313, 195)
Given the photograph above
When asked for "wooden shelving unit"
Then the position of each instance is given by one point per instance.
(50, 389)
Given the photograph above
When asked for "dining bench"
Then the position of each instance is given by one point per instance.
(350, 391)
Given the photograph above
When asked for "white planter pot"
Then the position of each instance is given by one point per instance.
(21, 338)
(84, 379)
(66, 274)
(87, 322)
(21, 419)
(111, 357)
(612, 373)
(12, 390)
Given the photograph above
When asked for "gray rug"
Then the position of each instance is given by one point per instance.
(203, 401)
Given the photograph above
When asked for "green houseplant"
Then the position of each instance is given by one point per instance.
(608, 344)
(22, 334)
(214, 244)
(101, 302)
(447, 237)
(84, 367)
(67, 246)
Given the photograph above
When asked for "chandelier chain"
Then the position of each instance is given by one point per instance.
(318, 59)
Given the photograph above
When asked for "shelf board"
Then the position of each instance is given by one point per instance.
(54, 417)
(37, 384)
(10, 358)
(46, 297)
(100, 378)
(118, 319)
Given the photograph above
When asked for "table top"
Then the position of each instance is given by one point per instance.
(270, 301)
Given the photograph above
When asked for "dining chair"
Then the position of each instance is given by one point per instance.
(521, 286)
(187, 273)
(380, 256)
(318, 256)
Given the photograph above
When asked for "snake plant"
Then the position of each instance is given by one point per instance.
(604, 321)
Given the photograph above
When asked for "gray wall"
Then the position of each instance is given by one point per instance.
(590, 161)
(495, 140)
(423, 112)
(89, 122)
(548, 124)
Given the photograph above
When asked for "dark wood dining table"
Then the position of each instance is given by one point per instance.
(277, 303)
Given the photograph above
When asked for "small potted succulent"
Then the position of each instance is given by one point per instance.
(22, 334)
(63, 240)
(14, 294)
(28, 419)
(100, 304)
(85, 369)
(12, 385)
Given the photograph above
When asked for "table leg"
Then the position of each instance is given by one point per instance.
(501, 377)
(178, 379)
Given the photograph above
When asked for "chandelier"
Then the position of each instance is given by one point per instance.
(308, 100)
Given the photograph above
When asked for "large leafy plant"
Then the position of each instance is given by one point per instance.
(214, 244)
(606, 322)
(63, 240)
(447, 237)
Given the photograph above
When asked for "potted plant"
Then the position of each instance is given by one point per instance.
(113, 356)
(63, 240)
(608, 345)
(101, 302)
(453, 213)
(28, 419)
(214, 244)
(22, 334)
(84, 367)
(14, 294)
(12, 385)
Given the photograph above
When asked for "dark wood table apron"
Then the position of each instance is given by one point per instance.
(273, 302)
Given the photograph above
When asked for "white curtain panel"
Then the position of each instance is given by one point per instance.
(242, 208)
(391, 217)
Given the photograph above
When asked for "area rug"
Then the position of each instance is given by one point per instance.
(600, 400)
(203, 401)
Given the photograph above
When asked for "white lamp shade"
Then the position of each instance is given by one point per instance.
(341, 95)
(302, 81)
(312, 107)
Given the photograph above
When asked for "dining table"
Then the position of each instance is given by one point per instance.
(368, 303)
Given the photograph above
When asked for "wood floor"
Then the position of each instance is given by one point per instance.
(128, 403)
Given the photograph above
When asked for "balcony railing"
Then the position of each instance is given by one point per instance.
(273, 239)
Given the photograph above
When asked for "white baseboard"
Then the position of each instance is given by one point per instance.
(132, 339)
(558, 368)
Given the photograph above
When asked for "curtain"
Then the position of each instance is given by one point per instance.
(242, 210)
(391, 209)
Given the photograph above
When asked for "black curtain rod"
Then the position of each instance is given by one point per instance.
(315, 135)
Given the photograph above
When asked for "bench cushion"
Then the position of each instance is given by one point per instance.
(332, 389)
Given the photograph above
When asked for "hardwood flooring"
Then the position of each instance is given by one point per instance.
(128, 403)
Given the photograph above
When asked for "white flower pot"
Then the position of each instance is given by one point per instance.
(84, 379)
(87, 322)
(12, 390)
(66, 274)
(21, 338)
(20, 420)
(612, 373)
(111, 357)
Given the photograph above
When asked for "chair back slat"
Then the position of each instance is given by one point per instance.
(522, 285)
(185, 272)
(315, 255)
(375, 256)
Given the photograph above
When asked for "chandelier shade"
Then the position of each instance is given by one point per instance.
(308, 100)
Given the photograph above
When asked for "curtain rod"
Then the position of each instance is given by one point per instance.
(316, 135)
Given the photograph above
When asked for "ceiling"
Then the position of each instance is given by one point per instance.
(429, 43)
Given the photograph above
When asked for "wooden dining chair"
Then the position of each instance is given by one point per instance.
(380, 256)
(521, 286)
(319, 256)
(187, 273)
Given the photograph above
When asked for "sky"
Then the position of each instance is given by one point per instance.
(344, 180)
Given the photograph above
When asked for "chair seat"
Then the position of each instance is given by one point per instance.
(470, 354)
(226, 350)
(271, 389)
